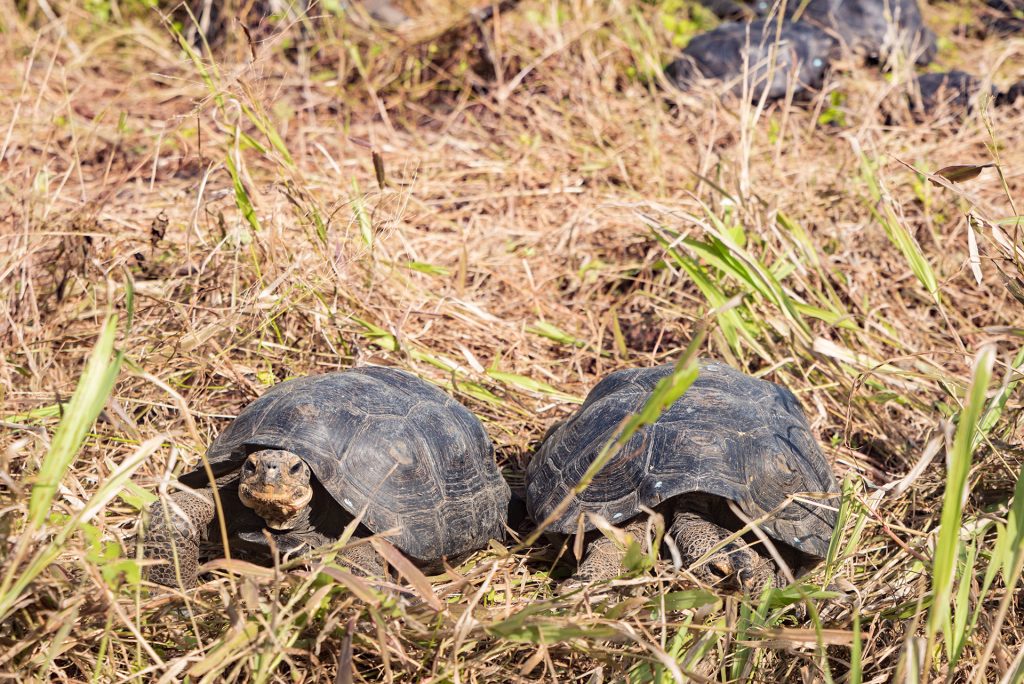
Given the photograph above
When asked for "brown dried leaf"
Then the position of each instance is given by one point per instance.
(405, 568)
(959, 173)
(345, 667)
(355, 584)
(784, 637)
(378, 169)
(238, 567)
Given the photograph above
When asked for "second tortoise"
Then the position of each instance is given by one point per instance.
(729, 438)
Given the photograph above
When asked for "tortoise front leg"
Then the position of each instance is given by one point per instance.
(361, 559)
(735, 565)
(603, 560)
(176, 527)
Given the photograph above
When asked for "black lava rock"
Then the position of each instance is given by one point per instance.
(720, 54)
(735, 10)
(1005, 17)
(1011, 95)
(1008, 6)
(954, 91)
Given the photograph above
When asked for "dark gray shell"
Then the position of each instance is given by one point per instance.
(872, 27)
(725, 52)
(383, 439)
(729, 435)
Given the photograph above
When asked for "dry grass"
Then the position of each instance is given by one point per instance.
(549, 214)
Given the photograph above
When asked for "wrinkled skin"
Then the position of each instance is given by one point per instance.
(276, 484)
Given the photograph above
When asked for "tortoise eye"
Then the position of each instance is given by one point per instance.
(294, 470)
(249, 466)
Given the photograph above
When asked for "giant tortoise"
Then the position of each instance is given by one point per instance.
(299, 463)
(873, 28)
(767, 55)
(729, 438)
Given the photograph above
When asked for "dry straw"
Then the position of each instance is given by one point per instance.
(184, 224)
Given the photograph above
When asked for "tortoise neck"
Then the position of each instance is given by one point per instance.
(315, 516)
(295, 523)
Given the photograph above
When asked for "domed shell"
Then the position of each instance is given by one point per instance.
(417, 460)
(729, 435)
(729, 51)
(874, 27)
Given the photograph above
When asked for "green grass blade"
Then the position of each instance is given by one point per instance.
(555, 334)
(378, 335)
(264, 124)
(1015, 531)
(947, 548)
(242, 199)
(729, 321)
(847, 504)
(1008, 554)
(94, 387)
(960, 634)
(531, 385)
(856, 649)
(896, 231)
(996, 406)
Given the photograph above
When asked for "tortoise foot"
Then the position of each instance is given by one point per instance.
(734, 565)
(604, 559)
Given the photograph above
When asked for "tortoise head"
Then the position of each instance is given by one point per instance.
(276, 484)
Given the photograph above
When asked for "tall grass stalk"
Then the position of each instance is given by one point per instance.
(90, 395)
(948, 545)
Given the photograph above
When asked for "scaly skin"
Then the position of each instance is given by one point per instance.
(175, 530)
(734, 566)
(276, 484)
(603, 560)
